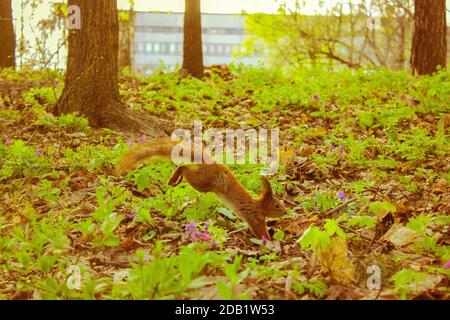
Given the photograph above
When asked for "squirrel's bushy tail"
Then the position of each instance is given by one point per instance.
(159, 147)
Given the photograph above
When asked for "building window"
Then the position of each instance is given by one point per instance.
(148, 47)
(220, 49)
(164, 48)
(223, 50)
(172, 48)
(140, 47)
(156, 47)
(212, 49)
(223, 31)
(157, 29)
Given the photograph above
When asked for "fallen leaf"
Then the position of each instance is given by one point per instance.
(334, 261)
(400, 235)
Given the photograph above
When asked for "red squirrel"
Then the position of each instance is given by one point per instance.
(213, 177)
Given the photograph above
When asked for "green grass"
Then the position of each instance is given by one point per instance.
(64, 216)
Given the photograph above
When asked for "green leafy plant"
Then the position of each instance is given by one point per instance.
(406, 281)
(47, 191)
(18, 159)
(230, 290)
(105, 220)
(317, 288)
(69, 122)
(166, 277)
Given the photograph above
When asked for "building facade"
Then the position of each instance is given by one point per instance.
(158, 40)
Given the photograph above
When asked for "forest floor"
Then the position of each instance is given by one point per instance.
(364, 174)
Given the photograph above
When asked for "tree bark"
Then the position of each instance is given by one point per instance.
(192, 46)
(429, 46)
(7, 37)
(401, 27)
(91, 83)
(126, 40)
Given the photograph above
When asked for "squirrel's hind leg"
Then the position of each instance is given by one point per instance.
(176, 177)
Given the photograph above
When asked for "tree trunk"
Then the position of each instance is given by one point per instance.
(429, 47)
(7, 37)
(126, 39)
(401, 27)
(192, 47)
(91, 83)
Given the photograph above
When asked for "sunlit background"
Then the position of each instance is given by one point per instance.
(50, 50)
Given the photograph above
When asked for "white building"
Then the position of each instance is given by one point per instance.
(158, 40)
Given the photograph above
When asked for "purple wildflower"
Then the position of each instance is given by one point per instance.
(133, 215)
(263, 240)
(130, 143)
(341, 150)
(204, 236)
(199, 235)
(342, 196)
(315, 97)
(447, 265)
(141, 139)
(8, 142)
(190, 227)
(332, 147)
(38, 153)
(194, 237)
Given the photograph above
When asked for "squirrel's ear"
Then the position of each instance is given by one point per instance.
(266, 189)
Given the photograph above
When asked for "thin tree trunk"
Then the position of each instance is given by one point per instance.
(91, 84)
(192, 47)
(400, 61)
(126, 40)
(429, 46)
(7, 37)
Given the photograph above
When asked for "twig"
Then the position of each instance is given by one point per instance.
(341, 206)
(353, 231)
(236, 231)
(389, 191)
(259, 124)
(10, 99)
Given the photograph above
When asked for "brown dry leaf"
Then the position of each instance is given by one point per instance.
(245, 252)
(428, 284)
(307, 150)
(204, 288)
(286, 155)
(402, 209)
(339, 292)
(334, 261)
(304, 118)
(318, 132)
(400, 235)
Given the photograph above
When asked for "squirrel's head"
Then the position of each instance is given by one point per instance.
(271, 206)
